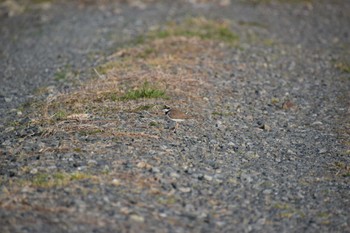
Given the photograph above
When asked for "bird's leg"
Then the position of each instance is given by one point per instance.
(175, 127)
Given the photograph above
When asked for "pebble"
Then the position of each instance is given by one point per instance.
(8, 100)
(267, 191)
(34, 171)
(208, 178)
(143, 164)
(116, 182)
(185, 189)
(175, 175)
(137, 218)
(322, 151)
(155, 169)
(92, 162)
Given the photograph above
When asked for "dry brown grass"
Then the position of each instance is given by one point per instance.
(180, 66)
(176, 72)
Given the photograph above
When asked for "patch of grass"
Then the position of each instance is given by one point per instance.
(60, 115)
(60, 75)
(269, 42)
(323, 214)
(343, 66)
(275, 100)
(287, 211)
(65, 73)
(252, 24)
(15, 123)
(78, 150)
(45, 180)
(113, 96)
(90, 132)
(143, 108)
(171, 200)
(343, 169)
(198, 27)
(146, 91)
(147, 52)
(153, 124)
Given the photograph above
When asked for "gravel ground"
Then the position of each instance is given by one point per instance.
(267, 149)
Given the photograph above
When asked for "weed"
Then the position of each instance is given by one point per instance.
(60, 75)
(90, 132)
(45, 180)
(153, 124)
(146, 91)
(343, 67)
(60, 115)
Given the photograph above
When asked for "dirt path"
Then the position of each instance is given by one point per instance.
(266, 87)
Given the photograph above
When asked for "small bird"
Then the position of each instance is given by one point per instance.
(175, 115)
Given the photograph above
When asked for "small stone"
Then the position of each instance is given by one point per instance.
(137, 218)
(185, 189)
(220, 224)
(322, 151)
(252, 155)
(289, 151)
(92, 162)
(143, 164)
(175, 175)
(218, 124)
(116, 182)
(34, 171)
(267, 191)
(8, 100)
(261, 221)
(219, 181)
(208, 178)
(155, 169)
(266, 127)
(125, 210)
(231, 144)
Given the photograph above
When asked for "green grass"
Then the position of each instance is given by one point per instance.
(200, 28)
(153, 124)
(61, 75)
(146, 91)
(45, 180)
(60, 114)
(343, 67)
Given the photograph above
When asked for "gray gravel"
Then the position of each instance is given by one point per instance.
(273, 158)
